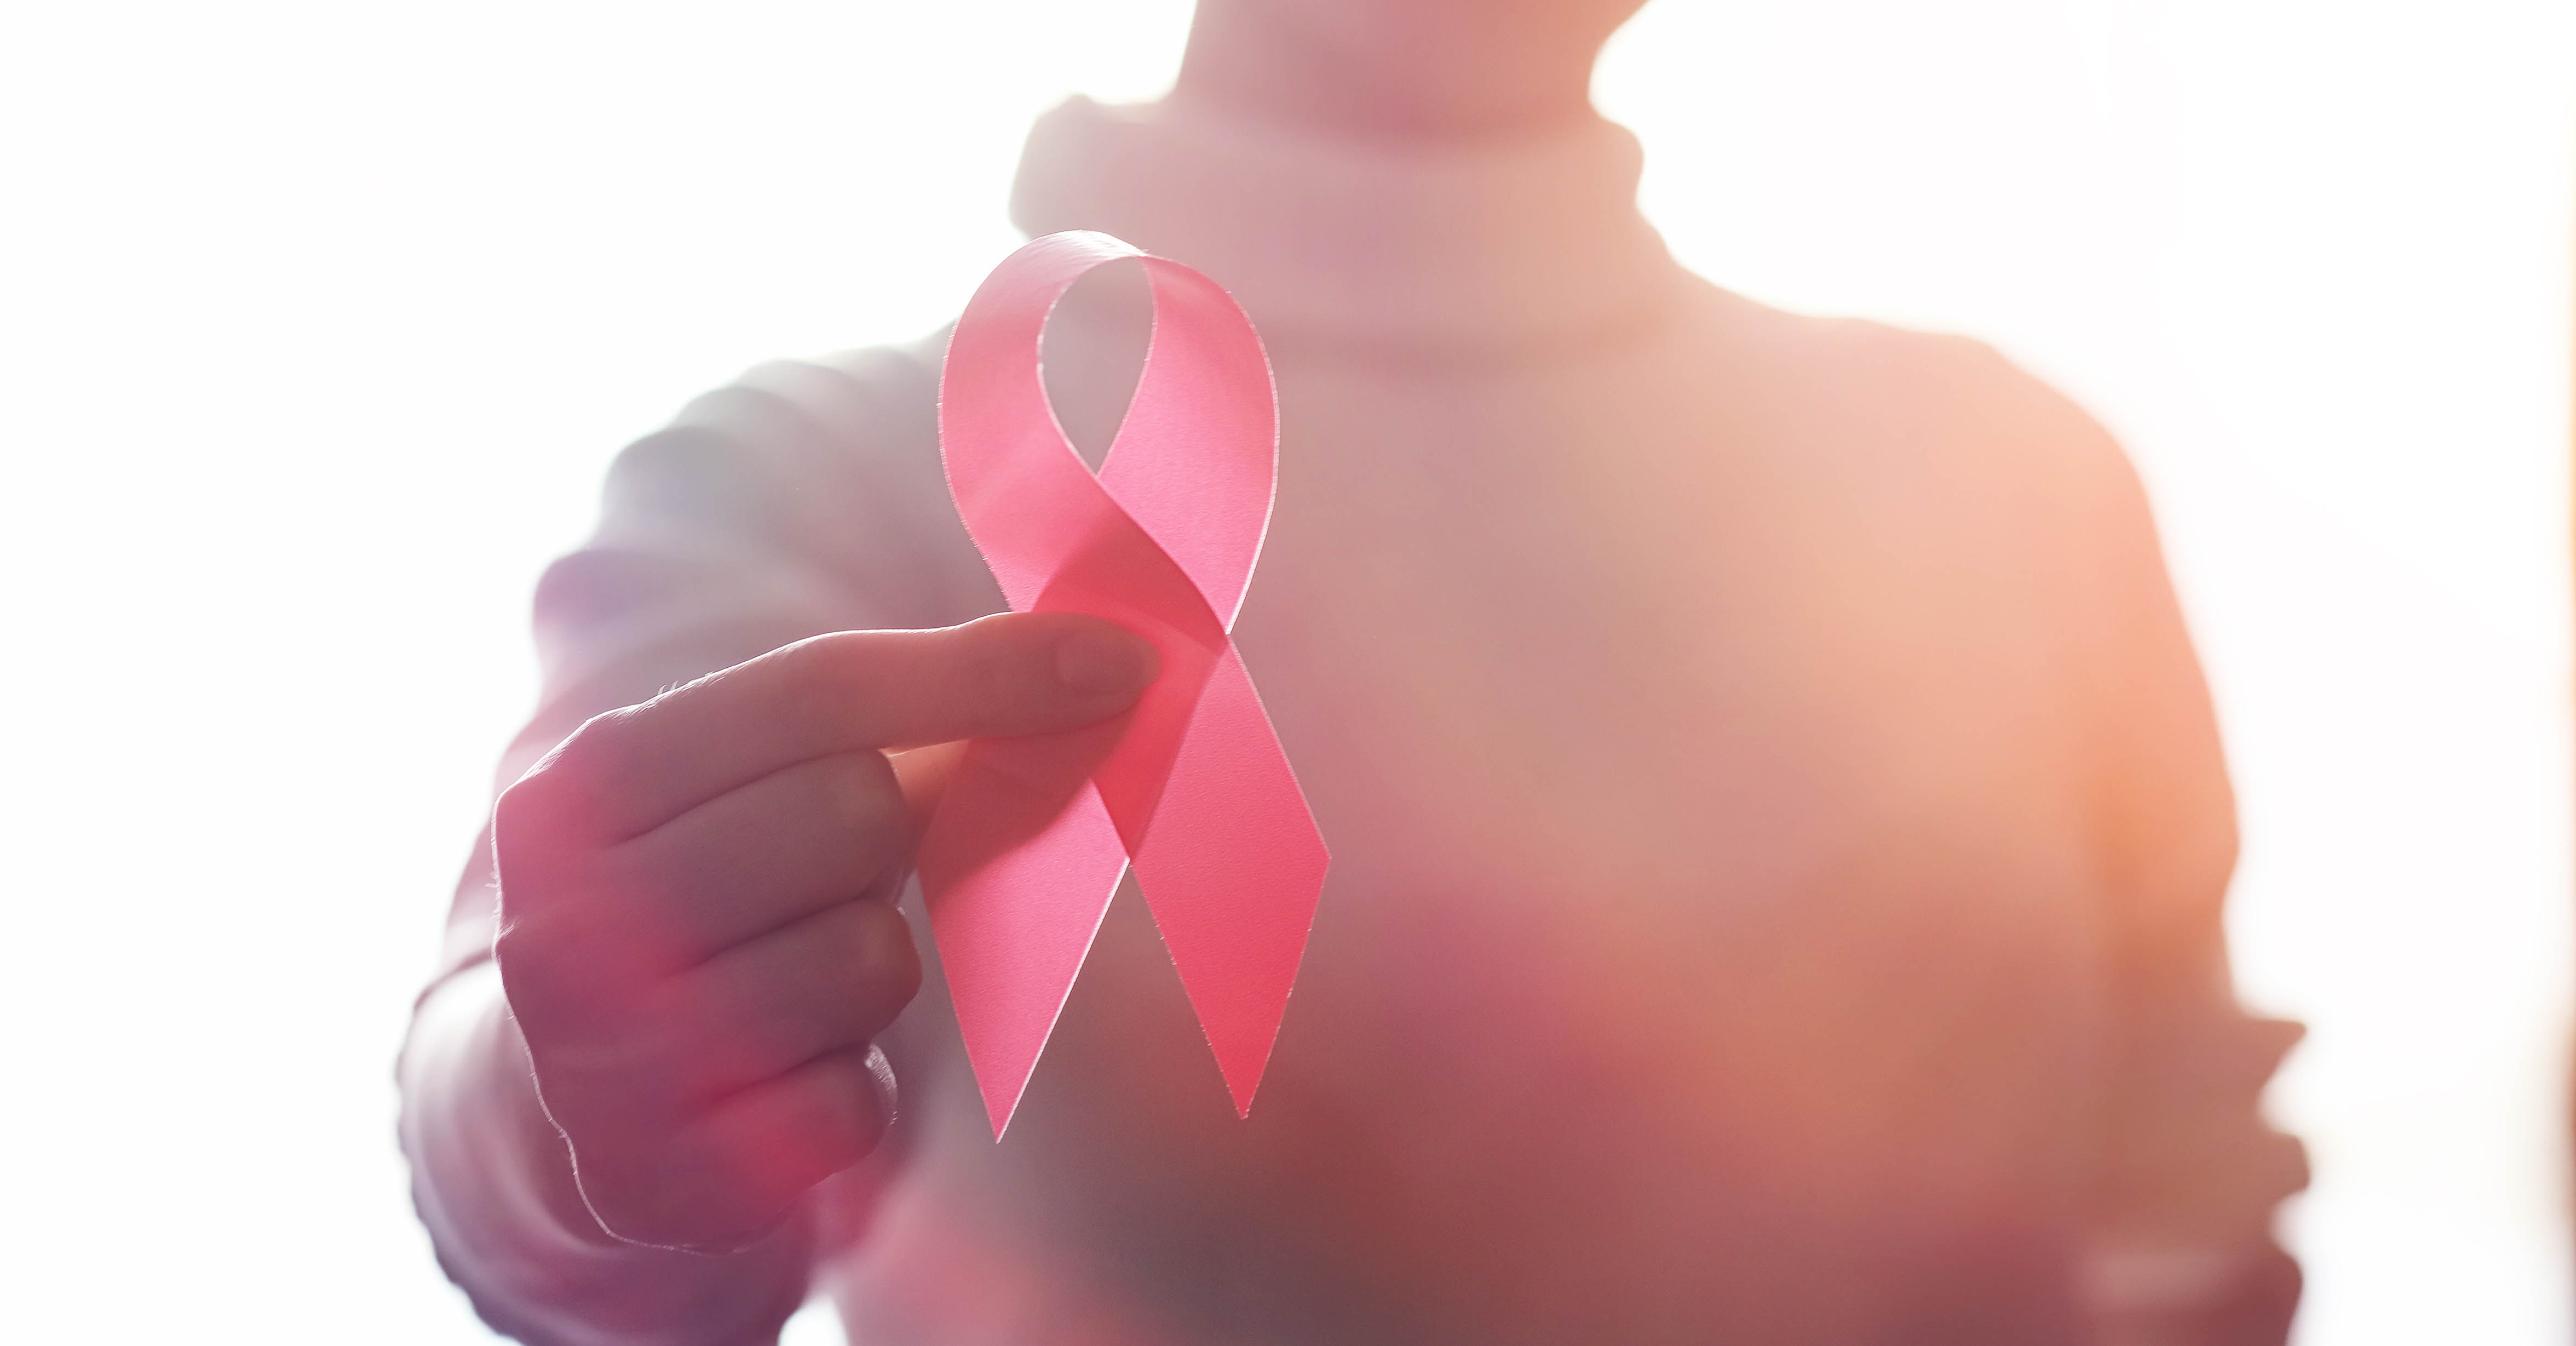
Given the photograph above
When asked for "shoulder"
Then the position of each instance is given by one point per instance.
(749, 451)
(827, 466)
(1948, 400)
(1939, 430)
(805, 496)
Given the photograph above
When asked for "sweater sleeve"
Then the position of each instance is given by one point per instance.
(2179, 1248)
(805, 498)
(2182, 1246)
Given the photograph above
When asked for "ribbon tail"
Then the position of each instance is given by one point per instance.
(1017, 870)
(1232, 865)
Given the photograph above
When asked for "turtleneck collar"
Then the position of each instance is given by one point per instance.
(1500, 243)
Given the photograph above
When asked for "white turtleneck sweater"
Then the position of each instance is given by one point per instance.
(1779, 830)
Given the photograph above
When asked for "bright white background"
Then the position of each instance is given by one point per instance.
(318, 322)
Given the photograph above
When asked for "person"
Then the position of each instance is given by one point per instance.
(1779, 832)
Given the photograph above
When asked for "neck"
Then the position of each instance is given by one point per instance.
(1422, 72)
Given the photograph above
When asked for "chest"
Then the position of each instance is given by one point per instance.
(1687, 642)
(1707, 796)
(1674, 740)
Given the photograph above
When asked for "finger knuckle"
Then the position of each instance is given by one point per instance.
(550, 798)
(825, 677)
(599, 745)
(808, 669)
(540, 957)
(524, 946)
(530, 878)
(523, 820)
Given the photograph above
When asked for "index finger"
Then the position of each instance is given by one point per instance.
(631, 770)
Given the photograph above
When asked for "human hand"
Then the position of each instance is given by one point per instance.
(699, 939)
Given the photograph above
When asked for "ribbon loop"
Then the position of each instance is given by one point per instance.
(1191, 785)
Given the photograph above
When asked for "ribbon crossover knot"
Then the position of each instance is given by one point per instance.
(1191, 786)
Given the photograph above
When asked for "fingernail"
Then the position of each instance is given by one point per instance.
(1098, 660)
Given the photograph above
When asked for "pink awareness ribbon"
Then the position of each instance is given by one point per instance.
(1191, 786)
